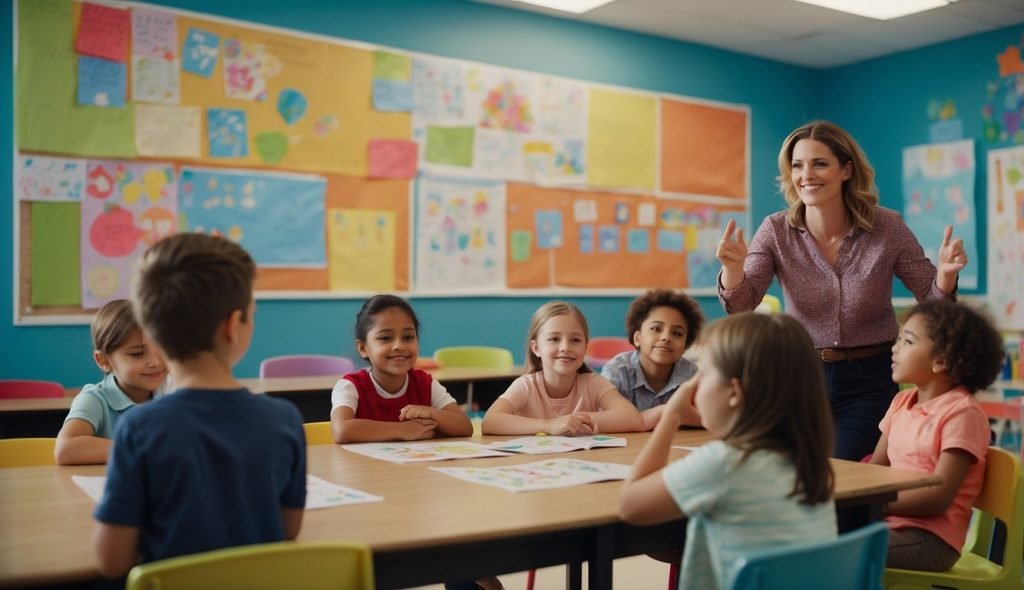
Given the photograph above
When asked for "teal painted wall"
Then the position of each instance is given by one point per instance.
(780, 97)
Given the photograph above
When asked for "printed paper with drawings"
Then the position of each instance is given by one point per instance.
(320, 493)
(542, 445)
(420, 452)
(541, 475)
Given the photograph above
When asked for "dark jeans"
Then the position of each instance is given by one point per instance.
(860, 393)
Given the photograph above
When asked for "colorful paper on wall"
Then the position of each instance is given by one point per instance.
(938, 190)
(42, 178)
(103, 32)
(168, 131)
(392, 158)
(228, 134)
(101, 82)
(155, 80)
(452, 146)
(278, 218)
(54, 254)
(459, 234)
(1006, 237)
(126, 207)
(621, 150)
(244, 72)
(199, 55)
(362, 249)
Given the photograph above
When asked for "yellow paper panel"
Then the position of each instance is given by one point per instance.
(621, 150)
(362, 249)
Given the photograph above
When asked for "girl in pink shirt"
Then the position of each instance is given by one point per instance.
(559, 394)
(947, 351)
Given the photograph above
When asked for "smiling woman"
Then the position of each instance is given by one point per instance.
(835, 252)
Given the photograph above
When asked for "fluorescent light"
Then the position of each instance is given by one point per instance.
(879, 9)
(573, 6)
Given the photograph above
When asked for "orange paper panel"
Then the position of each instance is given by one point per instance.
(703, 149)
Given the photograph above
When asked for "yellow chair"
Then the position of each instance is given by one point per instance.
(27, 452)
(474, 356)
(1001, 498)
(268, 566)
(318, 433)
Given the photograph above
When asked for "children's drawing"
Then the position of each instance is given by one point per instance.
(541, 475)
(362, 247)
(459, 234)
(498, 154)
(244, 76)
(155, 80)
(321, 493)
(504, 101)
(1006, 236)
(103, 32)
(154, 34)
(541, 445)
(938, 190)
(199, 55)
(168, 131)
(126, 207)
(43, 178)
(422, 452)
(291, 105)
(278, 218)
(227, 133)
(101, 82)
(561, 107)
(548, 223)
(439, 91)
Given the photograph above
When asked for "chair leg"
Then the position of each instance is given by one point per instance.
(673, 576)
(529, 579)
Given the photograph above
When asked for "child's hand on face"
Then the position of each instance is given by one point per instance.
(413, 412)
(417, 429)
(573, 424)
(680, 405)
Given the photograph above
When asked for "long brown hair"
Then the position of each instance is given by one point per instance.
(785, 407)
(860, 195)
(541, 317)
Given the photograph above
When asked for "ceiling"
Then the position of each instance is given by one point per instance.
(794, 32)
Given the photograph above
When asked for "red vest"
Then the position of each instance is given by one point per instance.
(374, 407)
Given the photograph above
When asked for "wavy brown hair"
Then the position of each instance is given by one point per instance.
(541, 317)
(785, 408)
(860, 195)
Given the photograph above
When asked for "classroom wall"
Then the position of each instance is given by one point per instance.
(780, 97)
(884, 104)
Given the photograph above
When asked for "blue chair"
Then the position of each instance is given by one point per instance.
(854, 561)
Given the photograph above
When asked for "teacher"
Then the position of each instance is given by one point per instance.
(835, 251)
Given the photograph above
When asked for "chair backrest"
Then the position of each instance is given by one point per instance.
(601, 349)
(318, 433)
(27, 452)
(474, 356)
(24, 388)
(306, 365)
(853, 561)
(313, 566)
(1002, 497)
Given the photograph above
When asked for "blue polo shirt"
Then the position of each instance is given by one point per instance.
(100, 404)
(626, 374)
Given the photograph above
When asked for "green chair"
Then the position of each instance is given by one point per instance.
(27, 452)
(853, 561)
(318, 433)
(268, 566)
(1001, 498)
(474, 356)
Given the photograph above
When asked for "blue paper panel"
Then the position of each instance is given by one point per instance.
(199, 55)
(392, 95)
(608, 238)
(638, 241)
(228, 133)
(278, 218)
(101, 82)
(670, 241)
(549, 228)
(586, 238)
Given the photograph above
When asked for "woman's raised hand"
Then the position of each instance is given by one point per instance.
(731, 252)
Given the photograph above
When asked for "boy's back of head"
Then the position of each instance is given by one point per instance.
(186, 286)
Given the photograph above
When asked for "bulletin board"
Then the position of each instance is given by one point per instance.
(346, 168)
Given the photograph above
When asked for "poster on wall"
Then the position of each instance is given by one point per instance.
(459, 234)
(1006, 237)
(938, 190)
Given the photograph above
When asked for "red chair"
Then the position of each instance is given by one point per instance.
(306, 365)
(27, 388)
(601, 349)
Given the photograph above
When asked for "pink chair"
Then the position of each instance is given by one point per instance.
(20, 389)
(306, 365)
(601, 349)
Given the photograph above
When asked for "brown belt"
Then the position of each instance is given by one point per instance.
(835, 355)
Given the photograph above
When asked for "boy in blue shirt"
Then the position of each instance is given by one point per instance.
(211, 466)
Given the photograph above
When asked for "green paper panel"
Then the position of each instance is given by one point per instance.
(55, 256)
(48, 116)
